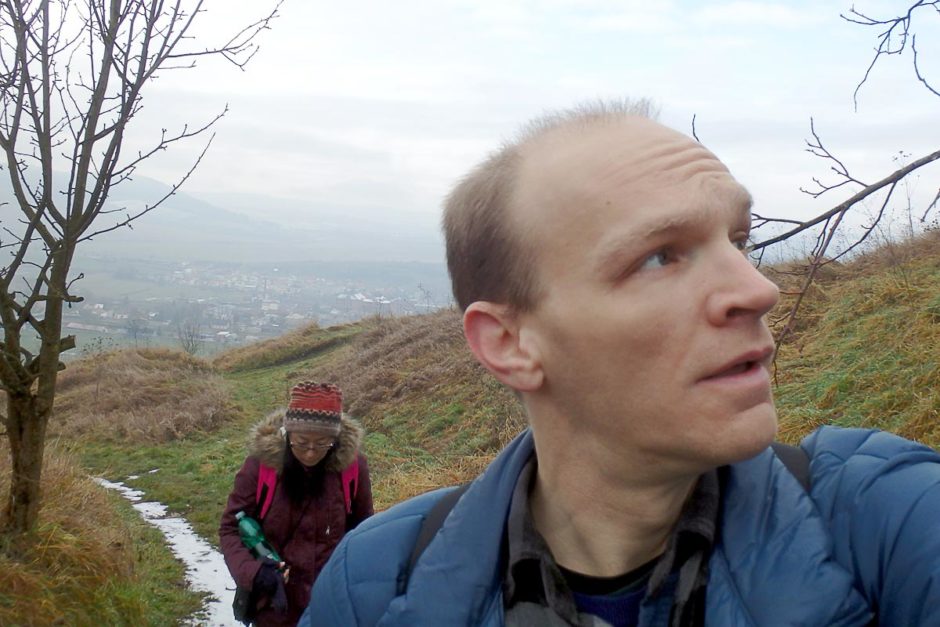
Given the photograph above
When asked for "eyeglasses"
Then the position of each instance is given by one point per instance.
(312, 448)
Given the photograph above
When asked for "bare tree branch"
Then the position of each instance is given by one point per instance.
(857, 197)
(892, 40)
(127, 222)
(72, 75)
(868, 229)
(931, 206)
(817, 149)
(920, 76)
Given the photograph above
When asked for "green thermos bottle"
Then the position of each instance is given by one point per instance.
(254, 539)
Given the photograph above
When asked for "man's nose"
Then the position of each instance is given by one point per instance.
(740, 290)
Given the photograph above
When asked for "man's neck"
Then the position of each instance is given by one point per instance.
(599, 522)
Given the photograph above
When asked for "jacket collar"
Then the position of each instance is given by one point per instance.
(459, 577)
(772, 562)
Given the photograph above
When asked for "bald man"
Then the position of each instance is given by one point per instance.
(601, 264)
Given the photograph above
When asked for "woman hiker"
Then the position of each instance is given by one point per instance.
(307, 484)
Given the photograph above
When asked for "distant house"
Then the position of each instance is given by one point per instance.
(79, 326)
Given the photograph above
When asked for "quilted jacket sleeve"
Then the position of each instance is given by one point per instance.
(881, 497)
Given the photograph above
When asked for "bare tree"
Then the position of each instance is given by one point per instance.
(189, 328)
(896, 37)
(71, 80)
(136, 327)
(426, 294)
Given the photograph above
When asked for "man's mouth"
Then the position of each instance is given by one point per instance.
(743, 364)
(737, 369)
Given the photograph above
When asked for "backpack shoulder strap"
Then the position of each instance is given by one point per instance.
(429, 528)
(350, 479)
(796, 460)
(264, 494)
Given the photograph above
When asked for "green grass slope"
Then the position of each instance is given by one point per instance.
(868, 350)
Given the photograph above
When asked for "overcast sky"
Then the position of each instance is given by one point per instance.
(378, 106)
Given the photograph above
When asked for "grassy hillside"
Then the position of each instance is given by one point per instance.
(433, 415)
(866, 352)
(92, 560)
(293, 346)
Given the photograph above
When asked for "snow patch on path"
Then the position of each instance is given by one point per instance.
(205, 568)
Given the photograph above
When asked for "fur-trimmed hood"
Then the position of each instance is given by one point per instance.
(267, 444)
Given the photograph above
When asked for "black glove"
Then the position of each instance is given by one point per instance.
(270, 583)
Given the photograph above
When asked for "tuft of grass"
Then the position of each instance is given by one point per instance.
(91, 560)
(140, 396)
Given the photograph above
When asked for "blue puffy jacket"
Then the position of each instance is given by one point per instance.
(866, 537)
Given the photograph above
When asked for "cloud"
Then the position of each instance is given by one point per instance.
(746, 13)
(390, 103)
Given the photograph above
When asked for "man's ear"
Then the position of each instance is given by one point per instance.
(496, 339)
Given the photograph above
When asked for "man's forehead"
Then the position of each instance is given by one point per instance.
(572, 169)
(628, 148)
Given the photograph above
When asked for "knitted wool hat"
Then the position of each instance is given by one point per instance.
(314, 407)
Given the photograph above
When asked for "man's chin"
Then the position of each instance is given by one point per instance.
(754, 433)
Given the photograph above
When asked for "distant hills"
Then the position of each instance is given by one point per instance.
(256, 228)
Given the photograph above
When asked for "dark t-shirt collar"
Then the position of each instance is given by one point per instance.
(532, 574)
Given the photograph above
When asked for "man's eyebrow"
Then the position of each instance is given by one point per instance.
(616, 247)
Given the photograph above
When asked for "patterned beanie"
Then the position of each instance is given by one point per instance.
(314, 407)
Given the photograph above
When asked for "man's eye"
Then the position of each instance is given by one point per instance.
(657, 260)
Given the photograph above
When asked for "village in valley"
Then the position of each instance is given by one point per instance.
(207, 307)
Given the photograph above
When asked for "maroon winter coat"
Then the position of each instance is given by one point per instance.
(318, 525)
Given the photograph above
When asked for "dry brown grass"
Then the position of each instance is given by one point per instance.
(140, 396)
(399, 482)
(869, 351)
(292, 346)
(418, 369)
(436, 416)
(890, 255)
(401, 478)
(71, 564)
(892, 261)
(375, 367)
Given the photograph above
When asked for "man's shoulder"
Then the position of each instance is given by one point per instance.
(853, 451)
(361, 577)
(844, 442)
(873, 478)
(879, 495)
(397, 522)
(386, 538)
